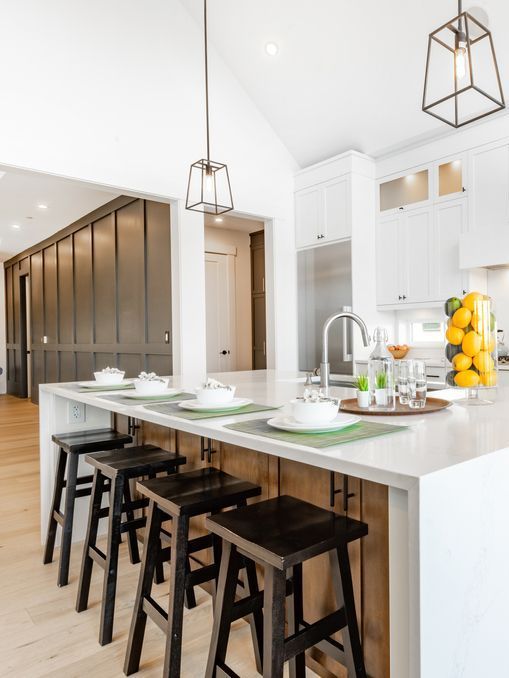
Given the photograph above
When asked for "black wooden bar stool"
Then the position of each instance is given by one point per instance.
(281, 534)
(199, 492)
(72, 445)
(119, 467)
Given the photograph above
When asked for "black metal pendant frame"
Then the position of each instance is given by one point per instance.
(454, 25)
(208, 170)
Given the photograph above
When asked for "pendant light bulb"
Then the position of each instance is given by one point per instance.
(461, 57)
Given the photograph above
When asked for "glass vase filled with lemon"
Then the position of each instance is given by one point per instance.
(471, 349)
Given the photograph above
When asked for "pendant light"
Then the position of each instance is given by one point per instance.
(462, 82)
(209, 189)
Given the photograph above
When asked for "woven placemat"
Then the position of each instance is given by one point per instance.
(123, 400)
(359, 431)
(176, 411)
(104, 387)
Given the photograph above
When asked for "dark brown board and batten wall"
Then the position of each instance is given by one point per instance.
(100, 295)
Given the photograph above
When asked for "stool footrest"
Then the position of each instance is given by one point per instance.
(201, 576)
(97, 556)
(81, 480)
(155, 612)
(330, 647)
(83, 492)
(311, 634)
(245, 606)
(223, 671)
(136, 523)
(59, 517)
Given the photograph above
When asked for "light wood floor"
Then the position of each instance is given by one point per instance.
(40, 633)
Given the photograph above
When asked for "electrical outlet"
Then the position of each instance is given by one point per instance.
(75, 412)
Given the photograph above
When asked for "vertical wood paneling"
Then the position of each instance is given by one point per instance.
(158, 271)
(103, 360)
(132, 363)
(67, 370)
(51, 367)
(37, 299)
(131, 274)
(9, 306)
(65, 291)
(161, 364)
(83, 293)
(84, 365)
(104, 280)
(38, 376)
(50, 293)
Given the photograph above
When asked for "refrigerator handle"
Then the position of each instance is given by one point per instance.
(347, 337)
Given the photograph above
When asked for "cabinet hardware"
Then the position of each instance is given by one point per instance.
(263, 284)
(207, 449)
(344, 491)
(463, 189)
(404, 296)
(264, 349)
(223, 352)
(399, 297)
(401, 208)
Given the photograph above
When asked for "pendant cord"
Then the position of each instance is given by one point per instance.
(207, 76)
(460, 11)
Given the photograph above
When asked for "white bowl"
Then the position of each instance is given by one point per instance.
(109, 377)
(150, 387)
(215, 396)
(314, 413)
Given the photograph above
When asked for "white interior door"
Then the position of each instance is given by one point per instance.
(220, 312)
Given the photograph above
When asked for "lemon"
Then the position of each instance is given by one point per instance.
(454, 335)
(471, 344)
(470, 299)
(488, 343)
(461, 362)
(484, 362)
(489, 378)
(467, 379)
(481, 323)
(461, 318)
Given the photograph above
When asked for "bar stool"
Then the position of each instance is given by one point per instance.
(119, 467)
(181, 497)
(72, 445)
(280, 534)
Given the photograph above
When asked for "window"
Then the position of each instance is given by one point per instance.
(430, 332)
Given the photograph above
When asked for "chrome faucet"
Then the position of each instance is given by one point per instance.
(325, 365)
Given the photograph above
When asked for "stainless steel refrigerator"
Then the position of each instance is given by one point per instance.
(324, 277)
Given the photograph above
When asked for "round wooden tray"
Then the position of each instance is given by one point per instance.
(432, 405)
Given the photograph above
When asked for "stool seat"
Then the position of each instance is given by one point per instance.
(134, 462)
(284, 531)
(94, 440)
(204, 490)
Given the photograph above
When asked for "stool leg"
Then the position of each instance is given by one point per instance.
(132, 539)
(225, 598)
(90, 540)
(274, 622)
(189, 597)
(256, 618)
(159, 569)
(70, 498)
(148, 564)
(343, 588)
(179, 538)
(55, 506)
(295, 618)
(111, 565)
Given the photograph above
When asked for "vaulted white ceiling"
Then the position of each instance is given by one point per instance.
(349, 73)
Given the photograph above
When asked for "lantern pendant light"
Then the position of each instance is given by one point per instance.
(209, 189)
(462, 82)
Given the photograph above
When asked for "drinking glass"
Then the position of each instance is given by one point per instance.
(417, 384)
(403, 373)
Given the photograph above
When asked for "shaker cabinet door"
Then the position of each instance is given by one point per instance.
(415, 259)
(387, 261)
(489, 189)
(449, 225)
(308, 217)
(337, 223)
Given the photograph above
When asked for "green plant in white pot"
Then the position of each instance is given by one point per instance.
(381, 388)
(362, 386)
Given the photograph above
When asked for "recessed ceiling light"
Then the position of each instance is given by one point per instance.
(42, 206)
(218, 220)
(16, 227)
(271, 48)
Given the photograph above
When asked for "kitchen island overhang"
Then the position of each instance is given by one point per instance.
(448, 505)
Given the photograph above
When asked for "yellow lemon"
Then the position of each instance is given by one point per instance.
(489, 378)
(488, 343)
(461, 318)
(470, 299)
(471, 344)
(484, 362)
(461, 362)
(467, 379)
(454, 335)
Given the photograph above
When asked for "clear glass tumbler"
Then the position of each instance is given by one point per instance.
(417, 386)
(403, 374)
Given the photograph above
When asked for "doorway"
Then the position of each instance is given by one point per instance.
(234, 287)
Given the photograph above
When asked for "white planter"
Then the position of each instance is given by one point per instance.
(363, 398)
(381, 396)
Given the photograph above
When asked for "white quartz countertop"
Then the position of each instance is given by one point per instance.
(431, 443)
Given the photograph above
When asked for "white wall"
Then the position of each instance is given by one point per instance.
(227, 241)
(498, 288)
(112, 93)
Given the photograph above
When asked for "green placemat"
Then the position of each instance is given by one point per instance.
(144, 400)
(105, 387)
(177, 411)
(360, 431)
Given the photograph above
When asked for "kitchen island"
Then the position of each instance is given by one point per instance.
(431, 576)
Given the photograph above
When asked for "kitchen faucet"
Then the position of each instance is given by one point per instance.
(325, 365)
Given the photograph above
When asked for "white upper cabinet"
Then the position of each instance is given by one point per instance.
(450, 178)
(322, 213)
(450, 219)
(389, 289)
(408, 190)
(489, 189)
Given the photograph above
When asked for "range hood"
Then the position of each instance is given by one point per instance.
(479, 250)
